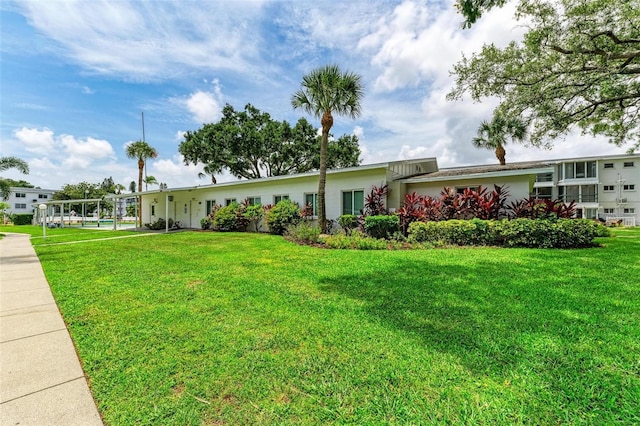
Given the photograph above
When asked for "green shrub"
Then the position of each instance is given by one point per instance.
(254, 214)
(229, 218)
(282, 215)
(348, 222)
(357, 240)
(22, 218)
(205, 223)
(381, 226)
(531, 233)
(159, 224)
(303, 232)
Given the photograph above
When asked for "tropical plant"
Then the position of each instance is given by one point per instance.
(494, 134)
(534, 208)
(7, 163)
(324, 91)
(132, 186)
(141, 151)
(209, 170)
(374, 201)
(150, 180)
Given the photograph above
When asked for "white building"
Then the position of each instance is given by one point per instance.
(602, 187)
(25, 200)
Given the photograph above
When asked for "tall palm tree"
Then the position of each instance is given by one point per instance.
(326, 90)
(141, 151)
(493, 134)
(7, 163)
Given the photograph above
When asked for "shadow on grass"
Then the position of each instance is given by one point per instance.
(495, 315)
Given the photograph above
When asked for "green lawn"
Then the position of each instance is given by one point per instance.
(225, 329)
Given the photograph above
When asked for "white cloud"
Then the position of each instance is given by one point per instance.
(118, 38)
(205, 106)
(35, 140)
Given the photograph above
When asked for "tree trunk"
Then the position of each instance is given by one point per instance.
(327, 122)
(140, 170)
(500, 154)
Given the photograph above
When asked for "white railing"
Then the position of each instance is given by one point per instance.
(621, 220)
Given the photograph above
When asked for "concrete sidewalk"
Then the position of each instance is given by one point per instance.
(41, 381)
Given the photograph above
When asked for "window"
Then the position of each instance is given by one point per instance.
(20, 206)
(228, 201)
(609, 211)
(41, 196)
(210, 204)
(312, 199)
(628, 164)
(543, 193)
(579, 170)
(609, 188)
(21, 195)
(544, 177)
(253, 201)
(591, 213)
(630, 187)
(608, 165)
(153, 210)
(629, 211)
(352, 202)
(278, 198)
(578, 193)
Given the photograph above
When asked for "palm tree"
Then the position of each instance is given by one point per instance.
(141, 151)
(150, 180)
(209, 170)
(326, 90)
(132, 187)
(494, 134)
(7, 163)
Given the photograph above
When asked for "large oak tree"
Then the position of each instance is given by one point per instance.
(250, 144)
(578, 65)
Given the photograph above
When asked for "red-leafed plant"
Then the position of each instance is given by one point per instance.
(534, 208)
(374, 202)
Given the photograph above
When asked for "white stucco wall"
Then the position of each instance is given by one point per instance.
(189, 205)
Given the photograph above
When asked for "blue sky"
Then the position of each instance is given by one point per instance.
(76, 75)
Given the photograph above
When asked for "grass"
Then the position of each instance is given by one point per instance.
(217, 329)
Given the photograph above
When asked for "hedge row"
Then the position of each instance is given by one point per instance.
(540, 233)
(21, 218)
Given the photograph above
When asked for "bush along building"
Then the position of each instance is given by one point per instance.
(605, 188)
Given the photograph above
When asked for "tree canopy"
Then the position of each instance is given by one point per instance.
(7, 163)
(472, 9)
(250, 144)
(578, 65)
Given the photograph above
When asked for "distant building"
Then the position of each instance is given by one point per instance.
(25, 200)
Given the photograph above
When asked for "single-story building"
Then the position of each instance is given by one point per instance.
(605, 187)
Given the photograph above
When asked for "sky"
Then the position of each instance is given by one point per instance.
(76, 77)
